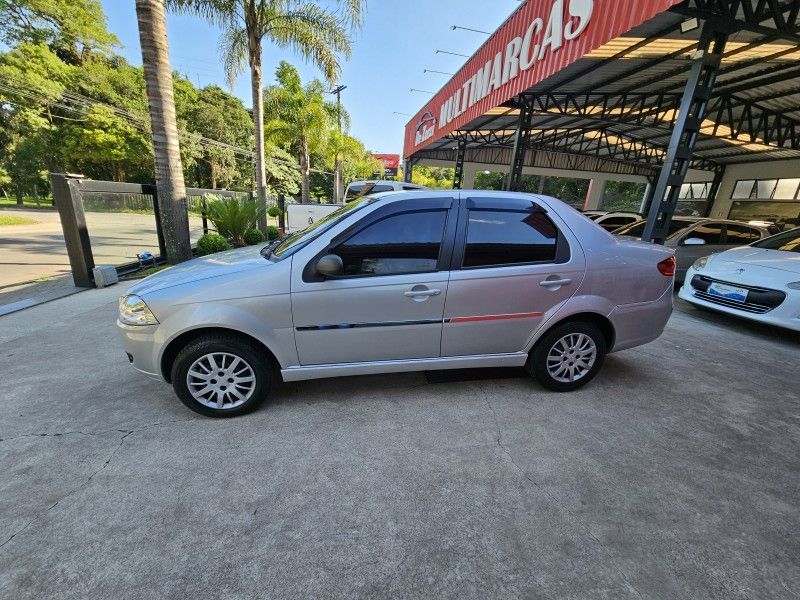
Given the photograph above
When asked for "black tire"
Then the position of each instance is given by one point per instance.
(228, 344)
(537, 360)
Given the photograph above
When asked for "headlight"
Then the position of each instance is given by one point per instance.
(133, 311)
(700, 263)
(795, 285)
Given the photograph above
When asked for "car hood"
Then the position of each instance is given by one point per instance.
(206, 267)
(761, 257)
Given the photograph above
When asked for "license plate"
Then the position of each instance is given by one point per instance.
(731, 292)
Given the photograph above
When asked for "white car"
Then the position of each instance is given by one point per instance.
(357, 189)
(614, 220)
(760, 282)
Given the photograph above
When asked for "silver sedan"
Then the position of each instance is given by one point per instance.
(401, 281)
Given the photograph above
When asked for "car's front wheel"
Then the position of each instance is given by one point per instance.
(221, 376)
(568, 356)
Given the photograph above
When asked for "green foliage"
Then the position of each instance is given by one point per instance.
(489, 180)
(283, 172)
(232, 217)
(622, 195)
(274, 212)
(356, 161)
(16, 220)
(434, 177)
(211, 243)
(272, 232)
(253, 236)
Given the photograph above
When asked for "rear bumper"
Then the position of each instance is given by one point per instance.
(642, 322)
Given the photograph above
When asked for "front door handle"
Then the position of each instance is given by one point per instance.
(554, 282)
(422, 293)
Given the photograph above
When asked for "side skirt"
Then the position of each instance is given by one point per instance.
(513, 359)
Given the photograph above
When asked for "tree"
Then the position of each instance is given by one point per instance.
(166, 150)
(355, 161)
(315, 33)
(301, 117)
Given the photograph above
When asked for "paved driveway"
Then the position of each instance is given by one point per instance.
(674, 475)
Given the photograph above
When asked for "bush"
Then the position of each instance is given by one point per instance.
(272, 232)
(274, 212)
(211, 243)
(253, 236)
(232, 218)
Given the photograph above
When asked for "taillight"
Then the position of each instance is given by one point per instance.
(667, 267)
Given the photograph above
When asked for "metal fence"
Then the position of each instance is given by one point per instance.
(106, 222)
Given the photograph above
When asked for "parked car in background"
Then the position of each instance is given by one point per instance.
(594, 214)
(356, 189)
(614, 220)
(693, 237)
(404, 281)
(760, 282)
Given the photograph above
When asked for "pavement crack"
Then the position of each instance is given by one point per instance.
(527, 477)
(93, 433)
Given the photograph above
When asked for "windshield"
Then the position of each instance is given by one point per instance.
(294, 241)
(788, 241)
(637, 229)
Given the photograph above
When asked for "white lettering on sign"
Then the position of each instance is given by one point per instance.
(519, 55)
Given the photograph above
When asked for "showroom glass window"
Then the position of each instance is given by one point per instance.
(401, 243)
(504, 237)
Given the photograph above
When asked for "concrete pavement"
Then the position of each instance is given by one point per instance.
(673, 475)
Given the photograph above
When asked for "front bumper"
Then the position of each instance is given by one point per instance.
(139, 343)
(786, 315)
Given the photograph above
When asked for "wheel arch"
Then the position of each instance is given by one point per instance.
(174, 347)
(601, 321)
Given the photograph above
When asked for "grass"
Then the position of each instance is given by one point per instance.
(15, 220)
(28, 203)
(144, 272)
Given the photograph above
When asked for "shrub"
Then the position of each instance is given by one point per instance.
(253, 236)
(232, 218)
(272, 232)
(274, 212)
(211, 243)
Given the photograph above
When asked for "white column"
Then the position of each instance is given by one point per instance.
(595, 194)
(468, 181)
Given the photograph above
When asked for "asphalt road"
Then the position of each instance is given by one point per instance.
(29, 252)
(675, 474)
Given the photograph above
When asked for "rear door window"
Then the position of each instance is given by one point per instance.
(741, 235)
(507, 237)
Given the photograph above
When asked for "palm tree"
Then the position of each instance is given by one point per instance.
(166, 150)
(302, 118)
(301, 25)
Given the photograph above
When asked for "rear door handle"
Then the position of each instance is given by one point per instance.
(422, 293)
(554, 282)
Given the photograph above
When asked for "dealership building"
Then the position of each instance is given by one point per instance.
(698, 101)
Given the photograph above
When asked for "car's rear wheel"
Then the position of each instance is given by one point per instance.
(568, 356)
(221, 376)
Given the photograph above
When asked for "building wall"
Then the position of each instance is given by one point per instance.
(760, 170)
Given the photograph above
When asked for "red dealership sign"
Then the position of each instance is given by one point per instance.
(391, 163)
(539, 39)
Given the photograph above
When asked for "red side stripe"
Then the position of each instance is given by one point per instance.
(527, 315)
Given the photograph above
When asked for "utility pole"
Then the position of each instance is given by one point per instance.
(338, 188)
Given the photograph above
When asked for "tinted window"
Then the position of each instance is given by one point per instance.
(404, 243)
(615, 222)
(410, 187)
(711, 234)
(741, 235)
(505, 238)
(637, 229)
(788, 241)
(381, 188)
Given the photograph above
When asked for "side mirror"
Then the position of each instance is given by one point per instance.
(694, 242)
(330, 265)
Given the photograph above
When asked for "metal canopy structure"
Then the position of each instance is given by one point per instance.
(613, 104)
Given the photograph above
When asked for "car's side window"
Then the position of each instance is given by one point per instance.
(615, 222)
(710, 233)
(742, 235)
(508, 237)
(402, 243)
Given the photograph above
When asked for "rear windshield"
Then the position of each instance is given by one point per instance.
(788, 241)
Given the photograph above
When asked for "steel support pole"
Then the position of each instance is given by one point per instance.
(693, 108)
(408, 165)
(458, 179)
(521, 138)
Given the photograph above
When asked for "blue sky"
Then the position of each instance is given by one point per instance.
(397, 42)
